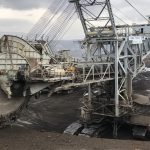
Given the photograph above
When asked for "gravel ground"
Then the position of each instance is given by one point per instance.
(39, 126)
(18, 138)
(52, 114)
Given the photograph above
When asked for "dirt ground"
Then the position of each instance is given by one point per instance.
(52, 114)
(17, 138)
(41, 124)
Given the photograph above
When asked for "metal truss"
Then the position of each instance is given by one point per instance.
(107, 43)
(96, 71)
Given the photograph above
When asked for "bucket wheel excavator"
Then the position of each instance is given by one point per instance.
(26, 68)
(117, 54)
(114, 57)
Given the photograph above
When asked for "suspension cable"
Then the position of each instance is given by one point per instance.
(137, 10)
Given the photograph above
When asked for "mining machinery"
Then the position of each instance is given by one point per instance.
(114, 57)
(117, 56)
(26, 68)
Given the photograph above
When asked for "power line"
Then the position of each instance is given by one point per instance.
(137, 10)
(49, 14)
(124, 15)
(119, 18)
(56, 42)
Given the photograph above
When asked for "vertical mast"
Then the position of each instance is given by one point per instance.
(99, 25)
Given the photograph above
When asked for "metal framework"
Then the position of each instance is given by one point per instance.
(114, 56)
(110, 44)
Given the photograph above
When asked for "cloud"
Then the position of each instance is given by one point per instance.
(20, 15)
(129, 13)
(29, 15)
(24, 4)
(15, 25)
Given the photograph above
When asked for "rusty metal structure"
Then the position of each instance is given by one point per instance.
(116, 54)
(114, 57)
(26, 68)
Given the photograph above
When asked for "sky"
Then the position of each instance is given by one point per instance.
(19, 16)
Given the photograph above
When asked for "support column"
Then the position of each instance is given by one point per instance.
(115, 128)
(89, 99)
(129, 88)
(116, 80)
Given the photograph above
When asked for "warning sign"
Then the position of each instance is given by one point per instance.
(136, 39)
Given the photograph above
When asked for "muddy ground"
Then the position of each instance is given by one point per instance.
(52, 114)
(17, 138)
(41, 124)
